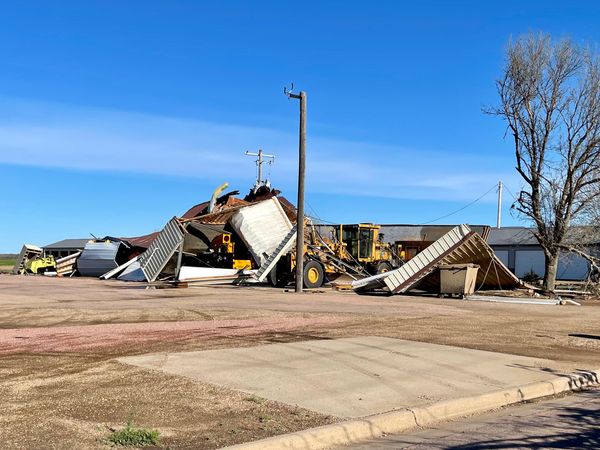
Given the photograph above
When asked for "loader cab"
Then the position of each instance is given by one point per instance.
(360, 240)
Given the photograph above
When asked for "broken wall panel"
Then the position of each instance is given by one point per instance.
(67, 265)
(98, 258)
(262, 227)
(158, 255)
(28, 251)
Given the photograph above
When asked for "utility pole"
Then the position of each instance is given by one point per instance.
(259, 163)
(301, 174)
(499, 215)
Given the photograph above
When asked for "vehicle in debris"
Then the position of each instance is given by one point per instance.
(356, 250)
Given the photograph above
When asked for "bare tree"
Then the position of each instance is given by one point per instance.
(550, 100)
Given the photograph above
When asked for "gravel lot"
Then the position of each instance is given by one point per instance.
(61, 388)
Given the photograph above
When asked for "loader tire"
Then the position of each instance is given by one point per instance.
(383, 267)
(313, 275)
(276, 279)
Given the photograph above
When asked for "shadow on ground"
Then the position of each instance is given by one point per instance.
(569, 427)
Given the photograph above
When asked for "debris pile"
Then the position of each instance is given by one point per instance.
(229, 240)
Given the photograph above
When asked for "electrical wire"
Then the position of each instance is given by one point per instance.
(510, 192)
(463, 208)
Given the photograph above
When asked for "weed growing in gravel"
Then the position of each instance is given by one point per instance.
(254, 399)
(134, 436)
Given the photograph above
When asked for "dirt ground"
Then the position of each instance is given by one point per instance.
(61, 388)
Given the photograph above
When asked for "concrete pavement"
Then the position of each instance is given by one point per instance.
(570, 422)
(354, 377)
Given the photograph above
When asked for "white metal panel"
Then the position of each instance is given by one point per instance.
(116, 270)
(572, 267)
(195, 273)
(502, 256)
(133, 272)
(98, 258)
(153, 260)
(417, 267)
(527, 261)
(262, 227)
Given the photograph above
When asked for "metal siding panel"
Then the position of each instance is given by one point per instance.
(251, 222)
(97, 258)
(153, 260)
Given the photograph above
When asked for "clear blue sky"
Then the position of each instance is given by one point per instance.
(116, 116)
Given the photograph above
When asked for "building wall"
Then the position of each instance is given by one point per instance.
(523, 259)
(60, 253)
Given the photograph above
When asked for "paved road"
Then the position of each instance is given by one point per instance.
(571, 422)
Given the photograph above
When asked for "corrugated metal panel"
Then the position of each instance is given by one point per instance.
(492, 274)
(460, 245)
(262, 227)
(153, 260)
(98, 258)
(401, 279)
(281, 250)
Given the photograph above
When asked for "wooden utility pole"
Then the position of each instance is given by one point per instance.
(301, 174)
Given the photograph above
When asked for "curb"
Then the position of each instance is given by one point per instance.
(398, 421)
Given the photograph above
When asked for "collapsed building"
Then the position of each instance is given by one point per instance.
(248, 240)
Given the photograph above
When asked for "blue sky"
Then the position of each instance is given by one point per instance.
(116, 116)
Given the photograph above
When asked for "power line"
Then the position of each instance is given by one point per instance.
(510, 192)
(463, 208)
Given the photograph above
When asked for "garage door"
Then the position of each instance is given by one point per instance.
(527, 261)
(572, 267)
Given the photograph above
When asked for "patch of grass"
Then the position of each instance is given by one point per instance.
(7, 262)
(255, 399)
(133, 436)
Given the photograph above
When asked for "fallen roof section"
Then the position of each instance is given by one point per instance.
(262, 226)
(459, 245)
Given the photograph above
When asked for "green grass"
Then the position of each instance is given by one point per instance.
(7, 262)
(134, 436)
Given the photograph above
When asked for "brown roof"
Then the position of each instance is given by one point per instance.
(142, 241)
(195, 211)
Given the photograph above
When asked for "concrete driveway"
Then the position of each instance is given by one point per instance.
(353, 377)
